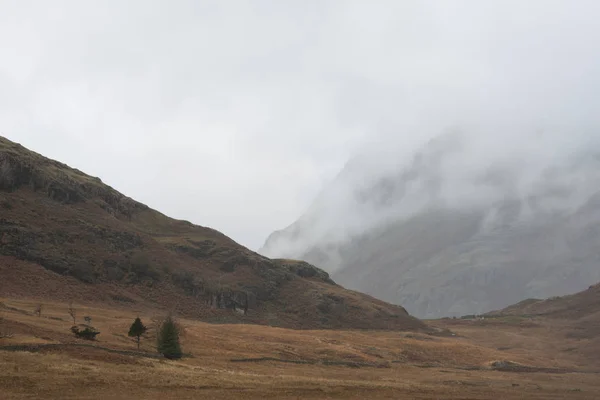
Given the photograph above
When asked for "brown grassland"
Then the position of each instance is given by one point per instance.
(41, 359)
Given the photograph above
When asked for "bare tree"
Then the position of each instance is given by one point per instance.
(72, 312)
(38, 310)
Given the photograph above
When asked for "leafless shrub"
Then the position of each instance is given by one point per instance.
(72, 312)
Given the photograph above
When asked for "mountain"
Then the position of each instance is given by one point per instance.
(67, 236)
(460, 227)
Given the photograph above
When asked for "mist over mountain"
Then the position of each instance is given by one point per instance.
(466, 224)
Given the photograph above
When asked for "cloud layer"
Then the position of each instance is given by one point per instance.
(235, 114)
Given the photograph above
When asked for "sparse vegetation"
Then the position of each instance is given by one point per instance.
(188, 282)
(141, 267)
(137, 330)
(168, 339)
(85, 332)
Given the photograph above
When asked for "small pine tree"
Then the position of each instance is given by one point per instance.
(168, 339)
(137, 329)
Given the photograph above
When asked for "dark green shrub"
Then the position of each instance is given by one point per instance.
(87, 333)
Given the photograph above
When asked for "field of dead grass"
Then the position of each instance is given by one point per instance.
(250, 361)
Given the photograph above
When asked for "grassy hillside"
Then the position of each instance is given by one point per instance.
(67, 236)
(579, 312)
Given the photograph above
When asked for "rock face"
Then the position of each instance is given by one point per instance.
(450, 233)
(64, 234)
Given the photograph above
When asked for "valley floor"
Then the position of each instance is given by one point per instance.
(41, 359)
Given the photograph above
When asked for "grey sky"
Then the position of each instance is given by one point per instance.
(234, 114)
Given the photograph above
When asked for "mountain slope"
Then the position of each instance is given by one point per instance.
(451, 232)
(580, 313)
(579, 305)
(65, 235)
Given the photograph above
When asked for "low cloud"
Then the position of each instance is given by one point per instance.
(236, 114)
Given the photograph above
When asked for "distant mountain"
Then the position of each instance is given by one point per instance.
(65, 235)
(456, 228)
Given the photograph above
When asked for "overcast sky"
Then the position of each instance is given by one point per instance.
(234, 114)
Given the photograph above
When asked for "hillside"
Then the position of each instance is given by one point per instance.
(582, 304)
(449, 232)
(67, 236)
(580, 312)
(503, 359)
(568, 327)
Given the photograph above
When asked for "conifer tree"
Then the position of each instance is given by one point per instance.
(168, 339)
(137, 329)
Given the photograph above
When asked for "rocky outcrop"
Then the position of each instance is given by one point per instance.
(305, 270)
(58, 181)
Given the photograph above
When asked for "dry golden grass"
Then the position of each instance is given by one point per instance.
(386, 364)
